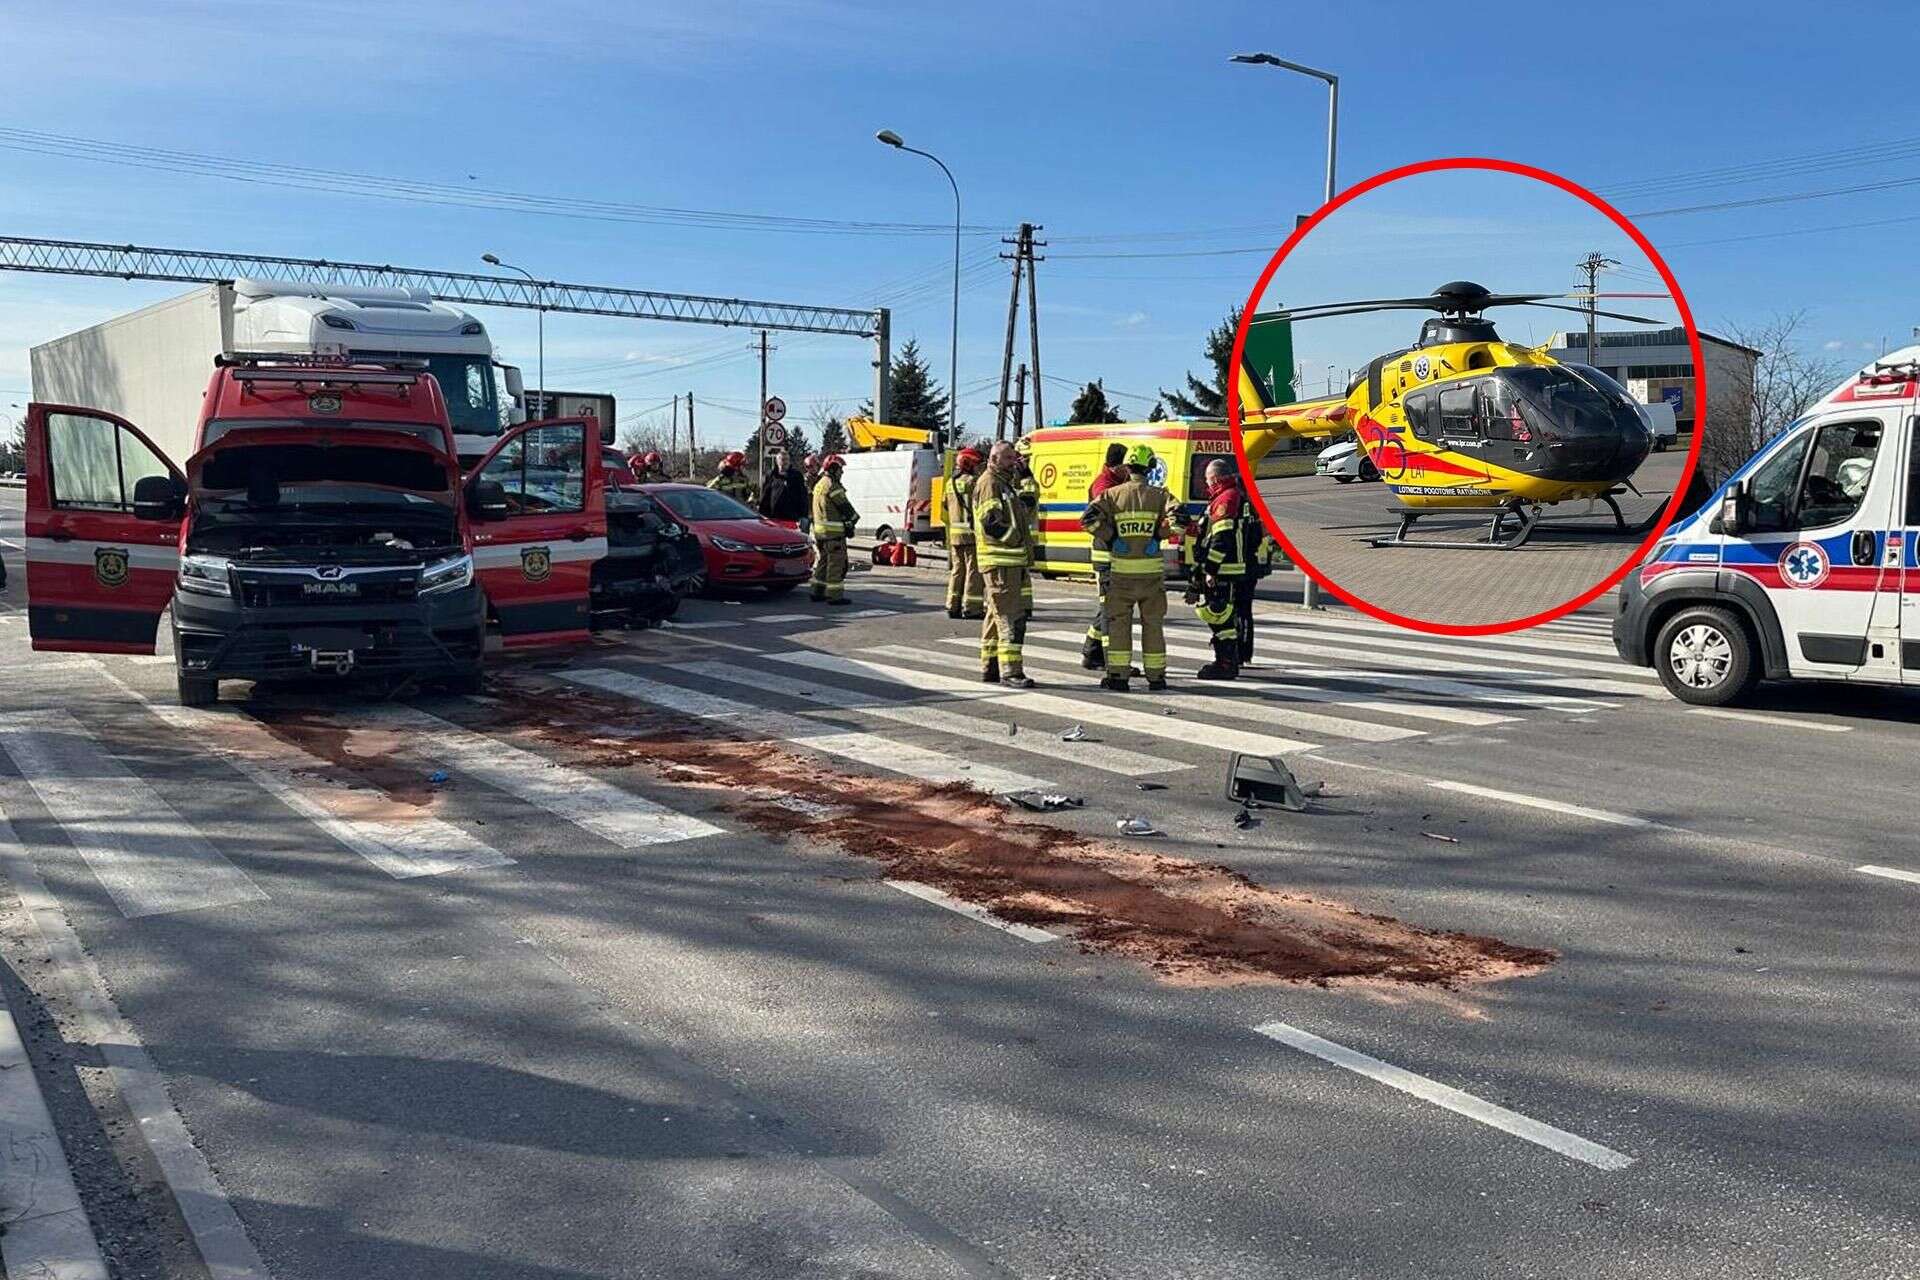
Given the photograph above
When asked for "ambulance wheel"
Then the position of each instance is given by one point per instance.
(196, 691)
(1705, 657)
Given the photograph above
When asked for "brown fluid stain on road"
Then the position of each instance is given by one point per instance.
(1190, 922)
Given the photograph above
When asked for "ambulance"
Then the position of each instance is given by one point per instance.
(1802, 566)
(1065, 461)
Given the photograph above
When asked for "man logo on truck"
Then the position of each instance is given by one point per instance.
(110, 566)
(536, 563)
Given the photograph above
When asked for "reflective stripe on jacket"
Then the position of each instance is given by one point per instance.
(1128, 521)
(1002, 526)
(833, 515)
(959, 512)
(1224, 534)
(734, 484)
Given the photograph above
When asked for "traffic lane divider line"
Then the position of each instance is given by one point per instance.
(47, 1231)
(1117, 760)
(865, 748)
(612, 813)
(1570, 1145)
(927, 893)
(1788, 722)
(1088, 710)
(222, 1242)
(1541, 802)
(711, 625)
(1890, 873)
(149, 859)
(1386, 638)
(1272, 692)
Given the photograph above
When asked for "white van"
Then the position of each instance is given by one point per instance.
(892, 489)
(1803, 565)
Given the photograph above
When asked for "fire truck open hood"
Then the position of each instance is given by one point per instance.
(261, 461)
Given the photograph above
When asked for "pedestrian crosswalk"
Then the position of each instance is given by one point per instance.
(911, 705)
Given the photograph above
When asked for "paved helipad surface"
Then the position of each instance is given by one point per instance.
(1332, 524)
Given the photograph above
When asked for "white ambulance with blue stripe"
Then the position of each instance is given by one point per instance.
(1802, 566)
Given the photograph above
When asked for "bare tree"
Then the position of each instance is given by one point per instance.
(1786, 382)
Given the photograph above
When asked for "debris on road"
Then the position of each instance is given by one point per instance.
(1045, 802)
(1076, 734)
(1244, 818)
(1190, 922)
(1435, 835)
(438, 777)
(1263, 780)
(1151, 786)
(1131, 826)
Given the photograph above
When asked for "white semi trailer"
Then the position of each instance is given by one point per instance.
(151, 366)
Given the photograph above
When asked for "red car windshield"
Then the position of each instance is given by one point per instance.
(699, 505)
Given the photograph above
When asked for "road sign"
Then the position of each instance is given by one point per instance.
(775, 409)
(774, 434)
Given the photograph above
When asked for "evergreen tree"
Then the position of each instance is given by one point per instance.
(833, 437)
(917, 400)
(1159, 413)
(1092, 405)
(1200, 399)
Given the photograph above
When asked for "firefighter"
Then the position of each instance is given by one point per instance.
(810, 476)
(1263, 554)
(1029, 490)
(649, 467)
(1128, 521)
(966, 589)
(1221, 575)
(732, 479)
(1003, 539)
(1093, 652)
(833, 520)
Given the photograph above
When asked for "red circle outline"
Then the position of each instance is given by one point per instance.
(1673, 511)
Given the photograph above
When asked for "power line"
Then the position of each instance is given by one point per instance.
(1793, 198)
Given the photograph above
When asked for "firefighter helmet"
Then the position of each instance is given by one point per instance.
(733, 461)
(967, 459)
(1140, 456)
(1024, 446)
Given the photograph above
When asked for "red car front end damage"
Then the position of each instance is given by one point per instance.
(742, 549)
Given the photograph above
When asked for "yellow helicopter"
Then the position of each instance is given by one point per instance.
(1465, 422)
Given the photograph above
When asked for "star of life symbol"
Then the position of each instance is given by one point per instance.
(1804, 564)
(1421, 367)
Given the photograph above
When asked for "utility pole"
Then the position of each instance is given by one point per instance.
(761, 434)
(1593, 264)
(1013, 311)
(673, 441)
(1020, 401)
(1033, 322)
(1023, 259)
(689, 435)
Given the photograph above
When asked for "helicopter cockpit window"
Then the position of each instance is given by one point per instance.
(1422, 414)
(1838, 470)
(1558, 405)
(1457, 418)
(1501, 414)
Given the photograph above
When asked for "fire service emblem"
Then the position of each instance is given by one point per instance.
(536, 563)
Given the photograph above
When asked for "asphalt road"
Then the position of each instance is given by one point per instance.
(1332, 525)
(522, 1024)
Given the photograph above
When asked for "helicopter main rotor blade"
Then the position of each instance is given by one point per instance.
(1347, 309)
(1611, 315)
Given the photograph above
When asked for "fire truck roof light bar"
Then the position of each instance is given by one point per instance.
(140, 262)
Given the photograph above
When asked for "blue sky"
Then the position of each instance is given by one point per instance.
(1119, 126)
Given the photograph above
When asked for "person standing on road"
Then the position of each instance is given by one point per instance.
(966, 589)
(649, 468)
(732, 479)
(1028, 487)
(783, 494)
(1220, 569)
(1003, 536)
(833, 520)
(809, 476)
(1263, 552)
(1093, 651)
(1129, 521)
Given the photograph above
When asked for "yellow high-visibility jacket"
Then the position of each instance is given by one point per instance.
(1128, 521)
(1002, 525)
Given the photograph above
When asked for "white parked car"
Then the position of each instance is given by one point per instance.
(1345, 462)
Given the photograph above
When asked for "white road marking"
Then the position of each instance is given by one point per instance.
(928, 893)
(1572, 642)
(1465, 647)
(217, 1234)
(404, 845)
(148, 858)
(1130, 764)
(1252, 685)
(873, 613)
(1089, 710)
(613, 814)
(37, 665)
(867, 748)
(1790, 722)
(1460, 1103)
(789, 617)
(47, 1230)
(701, 626)
(1421, 660)
(1890, 873)
(1541, 802)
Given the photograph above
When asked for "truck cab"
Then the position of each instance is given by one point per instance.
(1802, 566)
(322, 527)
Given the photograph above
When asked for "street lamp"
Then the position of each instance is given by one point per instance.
(540, 297)
(1333, 99)
(894, 140)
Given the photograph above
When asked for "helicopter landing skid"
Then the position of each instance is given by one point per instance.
(1499, 537)
(1620, 524)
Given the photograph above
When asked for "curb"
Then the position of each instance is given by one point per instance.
(47, 1235)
